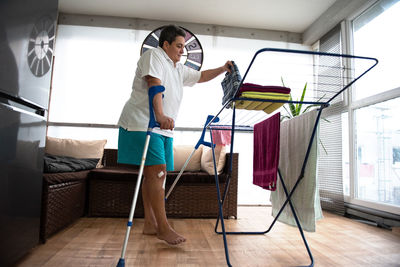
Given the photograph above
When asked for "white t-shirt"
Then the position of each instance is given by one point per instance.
(156, 63)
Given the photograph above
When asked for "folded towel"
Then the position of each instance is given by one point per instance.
(264, 88)
(271, 108)
(272, 96)
(222, 137)
(267, 107)
(266, 152)
(230, 84)
(295, 135)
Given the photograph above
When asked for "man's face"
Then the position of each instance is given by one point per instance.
(175, 49)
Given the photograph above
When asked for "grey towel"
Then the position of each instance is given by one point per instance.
(294, 137)
(230, 84)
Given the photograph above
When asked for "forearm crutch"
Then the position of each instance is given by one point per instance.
(210, 119)
(152, 123)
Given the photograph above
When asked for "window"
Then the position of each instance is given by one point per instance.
(378, 142)
(375, 36)
(375, 110)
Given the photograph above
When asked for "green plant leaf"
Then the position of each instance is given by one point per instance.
(283, 83)
(310, 106)
(295, 110)
(301, 100)
(320, 141)
(289, 116)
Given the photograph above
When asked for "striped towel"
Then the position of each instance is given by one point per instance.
(230, 84)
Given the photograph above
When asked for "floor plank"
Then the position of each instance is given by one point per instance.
(338, 241)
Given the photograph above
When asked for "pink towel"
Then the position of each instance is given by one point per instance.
(266, 152)
(222, 137)
(263, 88)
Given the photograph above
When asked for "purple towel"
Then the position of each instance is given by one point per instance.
(266, 152)
(263, 88)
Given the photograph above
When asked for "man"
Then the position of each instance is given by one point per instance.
(158, 67)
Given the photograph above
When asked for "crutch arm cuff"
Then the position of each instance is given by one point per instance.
(152, 92)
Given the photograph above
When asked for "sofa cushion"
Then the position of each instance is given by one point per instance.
(207, 162)
(182, 153)
(65, 177)
(54, 164)
(76, 148)
(199, 177)
(130, 174)
(117, 173)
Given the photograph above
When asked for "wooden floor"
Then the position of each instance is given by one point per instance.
(338, 241)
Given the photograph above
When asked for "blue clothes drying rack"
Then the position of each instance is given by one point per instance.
(330, 75)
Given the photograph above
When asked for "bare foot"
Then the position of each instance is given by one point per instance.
(171, 237)
(149, 229)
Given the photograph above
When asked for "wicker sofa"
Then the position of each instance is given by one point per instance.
(108, 192)
(63, 201)
(195, 196)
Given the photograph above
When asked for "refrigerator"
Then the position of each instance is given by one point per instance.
(27, 39)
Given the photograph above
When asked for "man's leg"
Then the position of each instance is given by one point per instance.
(154, 176)
(150, 222)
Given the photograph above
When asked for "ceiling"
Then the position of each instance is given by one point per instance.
(281, 15)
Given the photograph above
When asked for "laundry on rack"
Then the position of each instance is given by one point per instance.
(272, 96)
(230, 84)
(246, 87)
(221, 136)
(257, 92)
(267, 107)
(266, 152)
(295, 135)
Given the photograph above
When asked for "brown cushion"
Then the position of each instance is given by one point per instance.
(64, 177)
(130, 174)
(114, 173)
(200, 177)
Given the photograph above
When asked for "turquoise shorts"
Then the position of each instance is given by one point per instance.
(131, 145)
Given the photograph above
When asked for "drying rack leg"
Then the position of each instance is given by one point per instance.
(288, 200)
(296, 219)
(220, 203)
(227, 183)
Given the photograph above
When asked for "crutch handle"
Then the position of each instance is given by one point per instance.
(152, 92)
(210, 119)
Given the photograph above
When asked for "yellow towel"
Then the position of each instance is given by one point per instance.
(242, 104)
(273, 107)
(268, 107)
(273, 96)
(254, 104)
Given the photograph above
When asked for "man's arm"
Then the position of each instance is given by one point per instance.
(208, 75)
(164, 121)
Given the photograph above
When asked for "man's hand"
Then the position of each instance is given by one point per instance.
(228, 66)
(207, 75)
(166, 123)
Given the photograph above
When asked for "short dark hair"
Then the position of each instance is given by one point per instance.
(169, 33)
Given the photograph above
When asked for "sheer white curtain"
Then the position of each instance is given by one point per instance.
(93, 74)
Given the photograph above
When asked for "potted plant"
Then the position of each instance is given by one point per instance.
(294, 110)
